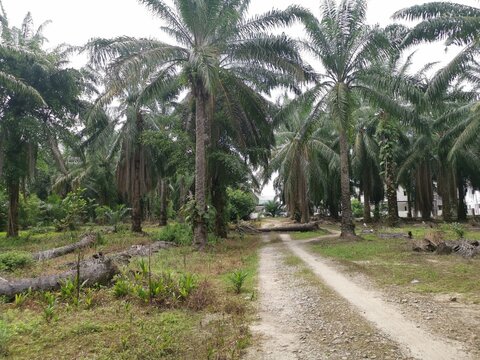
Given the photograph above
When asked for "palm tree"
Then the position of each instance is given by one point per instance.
(302, 158)
(217, 49)
(33, 109)
(457, 24)
(365, 160)
(345, 46)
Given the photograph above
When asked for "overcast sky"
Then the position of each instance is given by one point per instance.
(75, 22)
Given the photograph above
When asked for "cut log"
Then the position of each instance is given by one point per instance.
(95, 271)
(288, 228)
(86, 241)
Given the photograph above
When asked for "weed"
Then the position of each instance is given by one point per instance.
(202, 296)
(458, 229)
(237, 278)
(49, 312)
(20, 299)
(89, 298)
(49, 298)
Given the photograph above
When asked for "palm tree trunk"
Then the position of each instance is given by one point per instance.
(366, 206)
(376, 211)
(392, 201)
(163, 192)
(200, 226)
(136, 185)
(219, 203)
(462, 209)
(13, 201)
(347, 227)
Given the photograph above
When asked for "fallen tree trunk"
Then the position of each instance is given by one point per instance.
(86, 241)
(95, 271)
(101, 269)
(288, 228)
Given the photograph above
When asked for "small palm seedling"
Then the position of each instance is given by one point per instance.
(116, 216)
(121, 288)
(237, 278)
(186, 284)
(49, 312)
(20, 299)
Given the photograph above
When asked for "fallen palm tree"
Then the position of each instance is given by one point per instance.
(245, 227)
(86, 241)
(98, 270)
(433, 242)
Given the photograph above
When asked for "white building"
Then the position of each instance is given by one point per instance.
(472, 200)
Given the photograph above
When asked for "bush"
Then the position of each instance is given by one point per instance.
(76, 207)
(12, 260)
(240, 204)
(177, 233)
(357, 208)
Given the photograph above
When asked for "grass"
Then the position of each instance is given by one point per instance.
(128, 328)
(392, 262)
(305, 235)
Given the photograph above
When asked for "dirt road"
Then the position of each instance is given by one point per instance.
(309, 309)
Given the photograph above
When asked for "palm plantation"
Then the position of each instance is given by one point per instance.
(135, 216)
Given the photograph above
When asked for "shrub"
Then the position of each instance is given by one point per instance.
(357, 208)
(12, 260)
(181, 234)
(273, 208)
(240, 204)
(76, 207)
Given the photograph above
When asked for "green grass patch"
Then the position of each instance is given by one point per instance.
(392, 262)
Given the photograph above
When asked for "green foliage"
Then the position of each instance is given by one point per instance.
(20, 299)
(240, 204)
(117, 215)
(237, 279)
(273, 208)
(458, 229)
(75, 206)
(12, 260)
(121, 287)
(177, 233)
(49, 312)
(186, 284)
(357, 208)
(29, 213)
